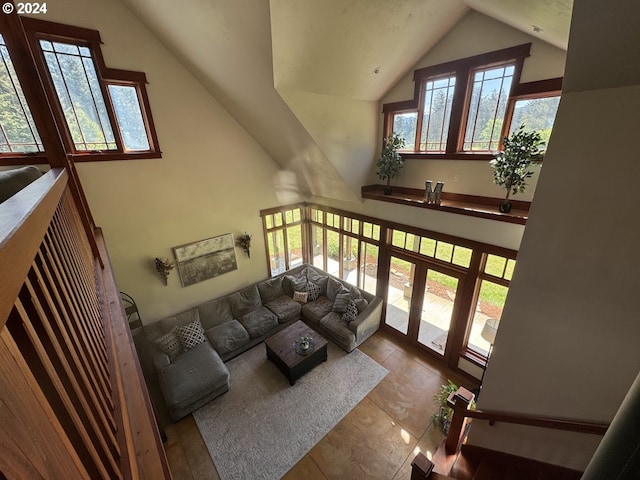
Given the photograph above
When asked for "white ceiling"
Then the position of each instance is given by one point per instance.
(247, 51)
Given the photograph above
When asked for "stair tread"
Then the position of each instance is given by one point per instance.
(488, 471)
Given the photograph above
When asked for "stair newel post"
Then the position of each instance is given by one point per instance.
(460, 401)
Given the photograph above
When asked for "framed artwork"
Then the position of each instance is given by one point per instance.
(205, 259)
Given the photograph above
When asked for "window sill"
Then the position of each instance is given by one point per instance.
(447, 156)
(471, 205)
(109, 156)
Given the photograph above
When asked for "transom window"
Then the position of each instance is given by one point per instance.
(462, 109)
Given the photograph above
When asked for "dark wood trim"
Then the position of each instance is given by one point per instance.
(547, 87)
(112, 156)
(470, 205)
(12, 160)
(539, 421)
(61, 30)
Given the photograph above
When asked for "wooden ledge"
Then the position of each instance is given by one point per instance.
(471, 205)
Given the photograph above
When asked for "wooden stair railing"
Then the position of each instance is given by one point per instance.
(73, 404)
(462, 414)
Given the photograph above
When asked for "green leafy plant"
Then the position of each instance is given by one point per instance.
(390, 163)
(445, 413)
(511, 166)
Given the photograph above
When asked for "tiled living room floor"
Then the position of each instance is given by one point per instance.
(378, 439)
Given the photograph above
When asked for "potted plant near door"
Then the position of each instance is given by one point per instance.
(390, 162)
(511, 166)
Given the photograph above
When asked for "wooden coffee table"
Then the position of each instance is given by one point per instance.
(281, 351)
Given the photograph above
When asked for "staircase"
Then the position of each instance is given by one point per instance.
(476, 463)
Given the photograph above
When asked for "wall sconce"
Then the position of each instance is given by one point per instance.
(163, 267)
(244, 242)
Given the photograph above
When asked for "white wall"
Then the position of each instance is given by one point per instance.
(213, 178)
(473, 35)
(568, 340)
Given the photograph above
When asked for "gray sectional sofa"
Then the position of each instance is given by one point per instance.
(189, 349)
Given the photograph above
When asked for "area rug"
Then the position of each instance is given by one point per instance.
(262, 426)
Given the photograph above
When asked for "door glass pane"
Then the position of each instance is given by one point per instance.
(333, 252)
(350, 259)
(437, 309)
(490, 304)
(316, 245)
(399, 294)
(294, 242)
(368, 267)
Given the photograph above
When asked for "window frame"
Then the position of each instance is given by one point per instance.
(463, 70)
(37, 30)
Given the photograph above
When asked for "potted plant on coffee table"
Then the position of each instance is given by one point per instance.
(511, 166)
(390, 162)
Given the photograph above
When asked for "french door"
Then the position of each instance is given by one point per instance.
(422, 301)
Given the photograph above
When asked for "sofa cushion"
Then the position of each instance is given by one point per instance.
(293, 283)
(12, 181)
(361, 304)
(355, 291)
(341, 303)
(313, 290)
(351, 313)
(227, 336)
(169, 344)
(319, 279)
(190, 335)
(244, 301)
(270, 289)
(314, 311)
(333, 288)
(259, 321)
(215, 312)
(339, 330)
(191, 375)
(285, 308)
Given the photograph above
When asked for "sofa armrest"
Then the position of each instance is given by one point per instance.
(160, 360)
(368, 321)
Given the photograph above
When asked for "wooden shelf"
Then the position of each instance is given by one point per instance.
(471, 205)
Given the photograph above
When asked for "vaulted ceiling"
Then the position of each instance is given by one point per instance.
(304, 77)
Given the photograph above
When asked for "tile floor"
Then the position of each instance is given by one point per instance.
(378, 439)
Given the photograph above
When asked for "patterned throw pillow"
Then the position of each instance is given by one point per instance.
(190, 335)
(169, 344)
(351, 313)
(300, 296)
(341, 302)
(313, 290)
(298, 284)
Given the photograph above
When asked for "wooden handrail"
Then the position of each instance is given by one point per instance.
(462, 412)
(568, 425)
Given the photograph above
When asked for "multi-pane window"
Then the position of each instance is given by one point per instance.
(432, 248)
(405, 125)
(18, 133)
(487, 107)
(436, 114)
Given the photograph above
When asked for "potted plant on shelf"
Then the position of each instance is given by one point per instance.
(390, 162)
(511, 166)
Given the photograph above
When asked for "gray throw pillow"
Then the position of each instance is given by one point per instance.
(169, 344)
(351, 313)
(190, 335)
(341, 302)
(295, 284)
